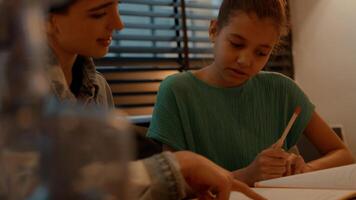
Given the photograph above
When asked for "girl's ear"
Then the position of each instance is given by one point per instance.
(213, 30)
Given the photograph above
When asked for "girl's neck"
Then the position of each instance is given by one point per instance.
(65, 59)
(212, 76)
(209, 75)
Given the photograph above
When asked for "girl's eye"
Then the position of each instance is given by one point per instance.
(261, 54)
(98, 15)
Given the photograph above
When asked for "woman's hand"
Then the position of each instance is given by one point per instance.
(209, 181)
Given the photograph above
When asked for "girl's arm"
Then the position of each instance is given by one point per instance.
(334, 151)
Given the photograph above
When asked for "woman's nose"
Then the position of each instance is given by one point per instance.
(116, 22)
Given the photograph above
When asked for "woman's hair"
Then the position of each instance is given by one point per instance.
(60, 6)
(274, 9)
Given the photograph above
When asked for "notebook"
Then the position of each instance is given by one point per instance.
(329, 184)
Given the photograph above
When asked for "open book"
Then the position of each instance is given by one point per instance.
(328, 184)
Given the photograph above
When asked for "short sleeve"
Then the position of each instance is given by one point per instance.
(295, 97)
(166, 125)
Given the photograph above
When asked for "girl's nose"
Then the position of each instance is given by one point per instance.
(244, 59)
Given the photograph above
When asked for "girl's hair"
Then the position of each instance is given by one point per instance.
(275, 9)
(61, 6)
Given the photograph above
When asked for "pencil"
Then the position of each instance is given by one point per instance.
(280, 141)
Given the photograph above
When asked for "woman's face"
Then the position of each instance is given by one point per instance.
(87, 27)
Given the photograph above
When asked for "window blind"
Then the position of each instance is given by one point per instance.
(160, 38)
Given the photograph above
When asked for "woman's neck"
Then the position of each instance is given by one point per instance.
(65, 59)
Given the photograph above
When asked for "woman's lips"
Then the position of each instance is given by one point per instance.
(104, 41)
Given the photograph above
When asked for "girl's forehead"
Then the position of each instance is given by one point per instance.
(252, 19)
(252, 28)
(251, 22)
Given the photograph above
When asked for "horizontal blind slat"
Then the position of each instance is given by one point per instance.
(140, 49)
(150, 2)
(134, 100)
(121, 37)
(164, 27)
(149, 14)
(171, 3)
(141, 75)
(151, 48)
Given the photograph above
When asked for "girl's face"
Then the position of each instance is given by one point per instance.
(86, 28)
(242, 47)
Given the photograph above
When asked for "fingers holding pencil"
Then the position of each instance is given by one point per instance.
(273, 162)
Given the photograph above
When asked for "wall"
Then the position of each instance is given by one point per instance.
(324, 50)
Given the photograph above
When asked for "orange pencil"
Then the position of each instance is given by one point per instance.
(280, 141)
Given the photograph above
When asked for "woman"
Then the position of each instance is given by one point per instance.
(76, 32)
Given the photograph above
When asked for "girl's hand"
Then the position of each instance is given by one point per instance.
(270, 163)
(296, 165)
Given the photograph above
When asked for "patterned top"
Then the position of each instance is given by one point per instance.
(88, 86)
(156, 177)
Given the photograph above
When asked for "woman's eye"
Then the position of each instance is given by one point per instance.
(98, 15)
(237, 45)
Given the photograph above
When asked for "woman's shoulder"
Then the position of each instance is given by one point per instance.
(100, 79)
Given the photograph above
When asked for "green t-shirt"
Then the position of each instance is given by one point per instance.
(230, 126)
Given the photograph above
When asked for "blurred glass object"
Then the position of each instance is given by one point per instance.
(87, 157)
(23, 89)
(49, 150)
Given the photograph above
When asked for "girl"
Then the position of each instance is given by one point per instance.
(233, 113)
(79, 30)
